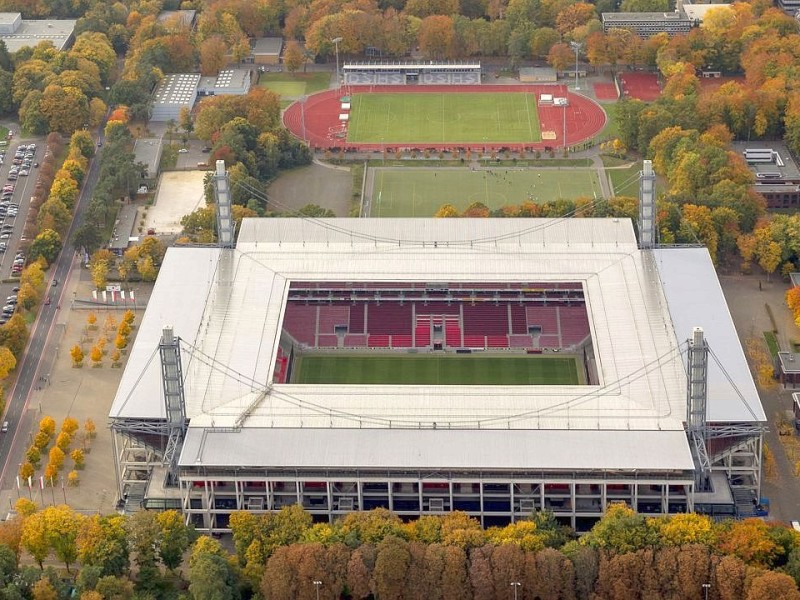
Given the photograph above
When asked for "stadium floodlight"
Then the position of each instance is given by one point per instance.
(317, 583)
(577, 47)
(335, 42)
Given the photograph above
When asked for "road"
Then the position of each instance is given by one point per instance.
(29, 370)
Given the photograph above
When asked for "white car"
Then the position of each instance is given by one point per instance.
(183, 151)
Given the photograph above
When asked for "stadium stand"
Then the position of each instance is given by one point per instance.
(412, 73)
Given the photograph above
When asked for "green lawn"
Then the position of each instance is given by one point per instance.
(294, 85)
(408, 369)
(420, 192)
(452, 118)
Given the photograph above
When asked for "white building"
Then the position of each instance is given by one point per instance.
(498, 452)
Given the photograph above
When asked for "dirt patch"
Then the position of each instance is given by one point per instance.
(179, 193)
(314, 184)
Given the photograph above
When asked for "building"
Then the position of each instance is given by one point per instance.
(411, 73)
(648, 24)
(147, 152)
(187, 18)
(777, 177)
(18, 33)
(697, 12)
(122, 235)
(249, 437)
(175, 92)
(267, 51)
(538, 75)
(229, 81)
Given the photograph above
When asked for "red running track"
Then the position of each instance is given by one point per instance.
(317, 121)
(605, 91)
(642, 86)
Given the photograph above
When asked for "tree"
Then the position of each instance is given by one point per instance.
(446, 211)
(211, 578)
(35, 538)
(47, 244)
(212, 55)
(621, 530)
(26, 470)
(65, 189)
(91, 319)
(748, 540)
(7, 362)
(47, 425)
(14, 334)
(103, 543)
(33, 455)
(436, 37)
(63, 441)
(83, 142)
(120, 342)
(70, 425)
(90, 428)
(293, 57)
(175, 538)
(56, 456)
(44, 590)
(391, 564)
(560, 56)
(143, 531)
(96, 355)
(78, 457)
(770, 585)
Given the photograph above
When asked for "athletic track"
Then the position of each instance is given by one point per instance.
(584, 118)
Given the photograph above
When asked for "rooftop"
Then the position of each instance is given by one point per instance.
(268, 45)
(609, 17)
(227, 306)
(177, 89)
(148, 152)
(31, 33)
(697, 12)
(186, 17)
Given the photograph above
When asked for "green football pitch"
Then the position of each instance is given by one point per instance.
(432, 118)
(460, 369)
(411, 192)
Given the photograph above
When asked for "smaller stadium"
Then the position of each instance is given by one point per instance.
(445, 107)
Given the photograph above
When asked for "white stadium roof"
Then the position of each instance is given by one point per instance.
(227, 306)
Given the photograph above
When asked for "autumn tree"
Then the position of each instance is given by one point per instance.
(7, 362)
(175, 538)
(293, 57)
(96, 355)
(47, 244)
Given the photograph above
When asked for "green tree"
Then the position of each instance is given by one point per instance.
(47, 245)
(175, 538)
(621, 530)
(14, 334)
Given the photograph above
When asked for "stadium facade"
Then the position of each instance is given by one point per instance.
(665, 425)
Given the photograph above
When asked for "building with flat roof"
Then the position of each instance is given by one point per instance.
(17, 33)
(776, 178)
(122, 235)
(173, 93)
(267, 51)
(186, 18)
(147, 151)
(648, 24)
(259, 428)
(234, 82)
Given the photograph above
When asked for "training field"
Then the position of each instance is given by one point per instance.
(443, 118)
(411, 192)
(461, 369)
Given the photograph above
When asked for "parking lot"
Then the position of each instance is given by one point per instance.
(19, 163)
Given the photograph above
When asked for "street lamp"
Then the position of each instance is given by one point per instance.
(317, 583)
(515, 585)
(335, 42)
(706, 587)
(577, 47)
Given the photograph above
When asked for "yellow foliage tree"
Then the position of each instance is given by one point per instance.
(73, 479)
(90, 428)
(91, 319)
(124, 329)
(63, 440)
(26, 470)
(77, 355)
(7, 362)
(682, 529)
(78, 457)
(96, 355)
(56, 457)
(129, 317)
(70, 425)
(47, 425)
(116, 356)
(51, 474)
(121, 342)
(110, 323)
(24, 507)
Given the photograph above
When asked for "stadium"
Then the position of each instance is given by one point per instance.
(493, 366)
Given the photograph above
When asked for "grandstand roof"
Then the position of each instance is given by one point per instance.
(228, 306)
(423, 448)
(425, 66)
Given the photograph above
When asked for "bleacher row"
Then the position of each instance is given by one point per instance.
(420, 325)
(369, 78)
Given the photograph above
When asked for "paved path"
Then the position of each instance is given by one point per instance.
(747, 297)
